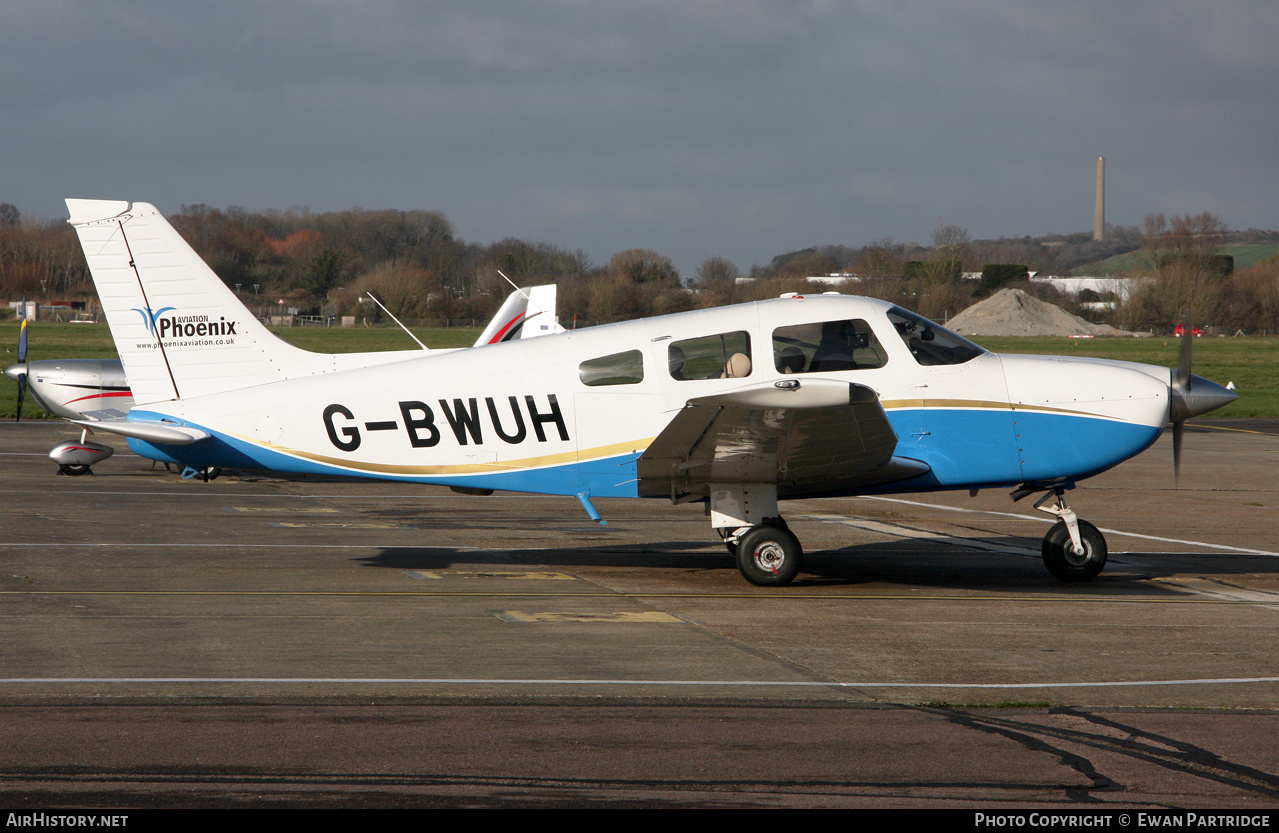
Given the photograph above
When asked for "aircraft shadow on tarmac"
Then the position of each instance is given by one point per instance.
(916, 563)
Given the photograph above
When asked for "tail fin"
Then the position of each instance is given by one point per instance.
(180, 331)
(527, 313)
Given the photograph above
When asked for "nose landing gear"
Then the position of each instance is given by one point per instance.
(1073, 550)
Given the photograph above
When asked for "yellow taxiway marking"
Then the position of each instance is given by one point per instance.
(649, 617)
(519, 575)
(292, 510)
(1066, 595)
(472, 681)
(338, 525)
(1226, 428)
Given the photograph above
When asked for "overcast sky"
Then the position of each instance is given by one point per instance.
(738, 129)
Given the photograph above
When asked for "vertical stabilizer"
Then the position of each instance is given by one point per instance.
(526, 313)
(180, 331)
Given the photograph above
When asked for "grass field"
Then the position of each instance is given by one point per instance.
(1251, 363)
(1245, 255)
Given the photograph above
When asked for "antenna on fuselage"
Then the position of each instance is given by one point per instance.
(396, 320)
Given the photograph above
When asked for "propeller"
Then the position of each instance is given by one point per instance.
(1180, 399)
(1191, 395)
(21, 376)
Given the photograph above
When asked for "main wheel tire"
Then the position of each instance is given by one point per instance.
(1060, 557)
(769, 556)
(73, 471)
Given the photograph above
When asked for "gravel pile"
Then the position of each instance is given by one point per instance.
(1011, 312)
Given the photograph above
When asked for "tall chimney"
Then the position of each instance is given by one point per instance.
(1099, 207)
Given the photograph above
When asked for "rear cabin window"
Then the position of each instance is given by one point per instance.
(825, 346)
(722, 356)
(617, 369)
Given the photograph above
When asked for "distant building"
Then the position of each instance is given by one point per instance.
(1121, 288)
(832, 281)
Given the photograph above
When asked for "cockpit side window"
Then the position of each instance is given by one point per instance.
(617, 369)
(929, 343)
(825, 346)
(722, 356)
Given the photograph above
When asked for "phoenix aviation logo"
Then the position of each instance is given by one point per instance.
(176, 330)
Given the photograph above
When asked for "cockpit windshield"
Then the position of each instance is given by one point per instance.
(929, 343)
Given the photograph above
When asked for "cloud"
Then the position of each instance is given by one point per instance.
(727, 128)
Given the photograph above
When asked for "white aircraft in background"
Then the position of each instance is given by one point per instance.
(97, 388)
(740, 407)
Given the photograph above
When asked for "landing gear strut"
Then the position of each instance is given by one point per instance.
(745, 515)
(1073, 550)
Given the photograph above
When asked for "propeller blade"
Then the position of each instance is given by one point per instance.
(1177, 429)
(22, 393)
(1180, 408)
(22, 359)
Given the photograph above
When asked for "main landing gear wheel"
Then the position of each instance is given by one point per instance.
(74, 471)
(769, 556)
(1061, 559)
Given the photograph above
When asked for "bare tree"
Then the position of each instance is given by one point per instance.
(950, 241)
(1191, 281)
(643, 266)
(406, 289)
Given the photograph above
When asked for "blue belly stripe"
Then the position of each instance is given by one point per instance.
(614, 476)
(964, 448)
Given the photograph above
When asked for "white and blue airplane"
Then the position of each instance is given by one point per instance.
(739, 407)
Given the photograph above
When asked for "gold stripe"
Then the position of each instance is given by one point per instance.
(583, 455)
(979, 404)
(898, 404)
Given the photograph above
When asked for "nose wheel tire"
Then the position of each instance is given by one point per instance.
(1061, 559)
(769, 556)
(73, 471)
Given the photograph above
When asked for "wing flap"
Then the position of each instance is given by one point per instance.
(808, 437)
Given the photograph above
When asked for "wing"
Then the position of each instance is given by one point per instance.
(809, 437)
(153, 431)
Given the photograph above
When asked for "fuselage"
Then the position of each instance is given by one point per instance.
(69, 388)
(572, 413)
